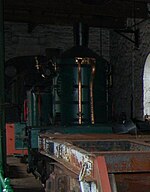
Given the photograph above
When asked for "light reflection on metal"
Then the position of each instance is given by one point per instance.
(79, 91)
(91, 62)
(37, 65)
(91, 93)
(85, 187)
(113, 182)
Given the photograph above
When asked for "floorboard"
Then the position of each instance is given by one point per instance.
(21, 181)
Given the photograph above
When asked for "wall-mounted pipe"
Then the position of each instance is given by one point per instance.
(2, 111)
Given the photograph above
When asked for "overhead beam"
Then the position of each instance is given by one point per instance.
(144, 1)
(35, 18)
(105, 2)
(113, 8)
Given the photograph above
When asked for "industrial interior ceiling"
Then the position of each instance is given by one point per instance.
(96, 13)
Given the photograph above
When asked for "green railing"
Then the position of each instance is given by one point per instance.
(5, 184)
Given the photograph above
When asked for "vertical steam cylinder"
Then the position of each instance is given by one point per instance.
(83, 83)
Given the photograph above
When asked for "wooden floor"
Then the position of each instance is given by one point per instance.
(20, 180)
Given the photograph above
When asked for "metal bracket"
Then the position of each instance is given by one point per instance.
(130, 31)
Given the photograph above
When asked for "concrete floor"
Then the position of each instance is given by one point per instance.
(21, 181)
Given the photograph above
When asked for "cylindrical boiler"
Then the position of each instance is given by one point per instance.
(83, 87)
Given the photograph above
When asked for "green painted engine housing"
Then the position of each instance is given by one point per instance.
(69, 87)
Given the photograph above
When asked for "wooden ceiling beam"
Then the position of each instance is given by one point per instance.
(112, 9)
(108, 14)
(65, 19)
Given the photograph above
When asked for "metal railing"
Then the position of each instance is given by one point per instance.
(5, 184)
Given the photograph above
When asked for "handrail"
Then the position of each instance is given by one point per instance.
(5, 183)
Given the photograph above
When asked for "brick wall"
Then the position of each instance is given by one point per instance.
(128, 66)
(19, 42)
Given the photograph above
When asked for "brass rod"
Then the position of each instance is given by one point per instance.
(79, 91)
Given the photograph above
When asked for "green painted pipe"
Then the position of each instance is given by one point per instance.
(5, 182)
(2, 97)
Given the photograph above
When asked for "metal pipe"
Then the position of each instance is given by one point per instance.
(91, 93)
(2, 111)
(85, 187)
(79, 91)
(34, 112)
(5, 182)
(80, 34)
(113, 182)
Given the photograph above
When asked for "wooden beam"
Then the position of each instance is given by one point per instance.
(66, 19)
(112, 9)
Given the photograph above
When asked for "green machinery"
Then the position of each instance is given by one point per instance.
(4, 182)
(83, 87)
(76, 104)
(71, 98)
